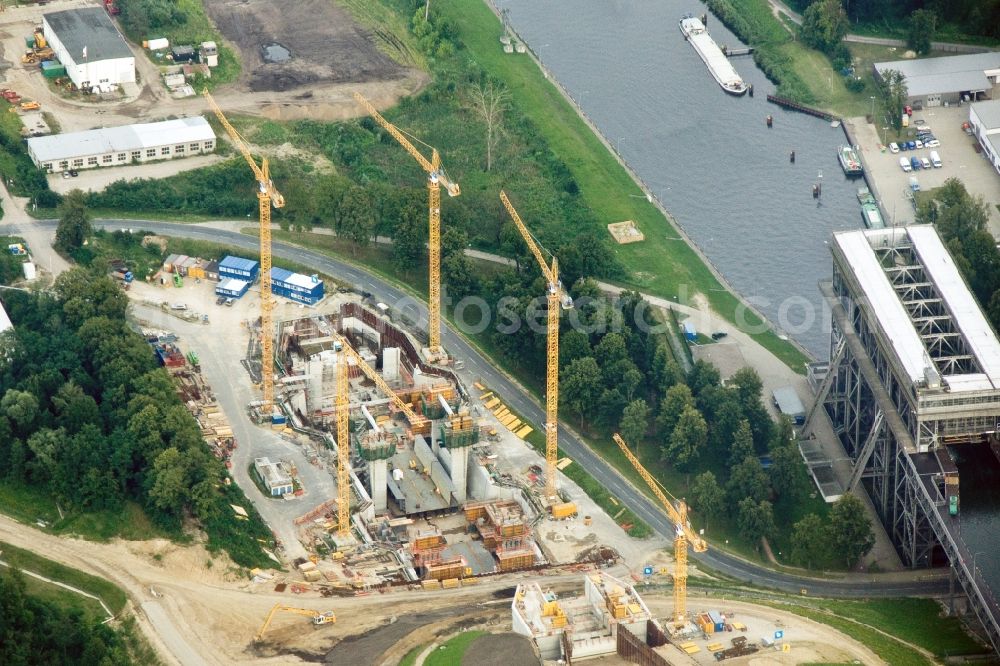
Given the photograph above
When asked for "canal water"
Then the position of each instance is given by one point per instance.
(707, 156)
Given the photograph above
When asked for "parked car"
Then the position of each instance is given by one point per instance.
(919, 144)
(893, 148)
(933, 143)
(65, 174)
(911, 145)
(914, 185)
(902, 145)
(904, 164)
(229, 302)
(74, 173)
(935, 159)
(915, 163)
(220, 300)
(925, 163)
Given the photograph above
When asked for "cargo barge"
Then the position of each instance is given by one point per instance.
(718, 64)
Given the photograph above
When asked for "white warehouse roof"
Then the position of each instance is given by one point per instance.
(119, 139)
(960, 304)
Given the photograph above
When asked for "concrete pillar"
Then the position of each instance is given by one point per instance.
(460, 471)
(378, 478)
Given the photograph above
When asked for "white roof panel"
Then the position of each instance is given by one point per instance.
(975, 382)
(882, 299)
(124, 139)
(961, 304)
(5, 322)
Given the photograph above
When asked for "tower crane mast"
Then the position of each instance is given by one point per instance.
(267, 196)
(436, 177)
(684, 535)
(557, 298)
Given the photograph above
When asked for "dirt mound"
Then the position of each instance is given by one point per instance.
(282, 50)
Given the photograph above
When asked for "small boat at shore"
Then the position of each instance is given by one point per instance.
(718, 64)
(849, 161)
(870, 213)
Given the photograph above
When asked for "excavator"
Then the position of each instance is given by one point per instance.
(317, 618)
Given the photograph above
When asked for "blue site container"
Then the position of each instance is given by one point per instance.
(689, 333)
(239, 268)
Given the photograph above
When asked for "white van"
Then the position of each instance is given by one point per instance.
(935, 159)
(904, 164)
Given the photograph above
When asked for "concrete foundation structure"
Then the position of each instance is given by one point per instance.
(580, 627)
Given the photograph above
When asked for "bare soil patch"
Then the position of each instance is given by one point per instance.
(499, 650)
(323, 44)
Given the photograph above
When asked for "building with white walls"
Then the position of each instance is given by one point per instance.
(89, 46)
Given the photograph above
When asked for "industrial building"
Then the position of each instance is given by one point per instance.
(118, 146)
(232, 287)
(914, 375)
(946, 80)
(272, 474)
(89, 46)
(984, 118)
(586, 626)
(300, 288)
(239, 268)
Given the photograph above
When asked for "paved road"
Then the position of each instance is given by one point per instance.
(889, 585)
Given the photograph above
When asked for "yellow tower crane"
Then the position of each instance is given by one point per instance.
(683, 534)
(436, 177)
(343, 450)
(317, 618)
(267, 196)
(557, 298)
(342, 405)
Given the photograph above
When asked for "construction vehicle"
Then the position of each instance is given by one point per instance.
(317, 618)
(436, 177)
(557, 299)
(111, 8)
(30, 106)
(267, 196)
(684, 535)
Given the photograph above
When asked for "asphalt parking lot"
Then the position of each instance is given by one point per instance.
(958, 156)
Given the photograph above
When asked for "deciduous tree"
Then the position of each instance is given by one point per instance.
(634, 422)
(687, 439)
(824, 24)
(707, 496)
(677, 399)
(755, 519)
(490, 99)
(809, 541)
(579, 384)
(850, 529)
(920, 29)
(74, 222)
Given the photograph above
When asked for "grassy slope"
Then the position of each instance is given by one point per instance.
(390, 30)
(30, 505)
(112, 595)
(658, 265)
(450, 653)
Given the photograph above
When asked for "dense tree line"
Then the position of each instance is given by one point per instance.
(86, 414)
(139, 17)
(35, 631)
(973, 17)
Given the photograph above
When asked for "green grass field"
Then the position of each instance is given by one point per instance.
(450, 653)
(110, 593)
